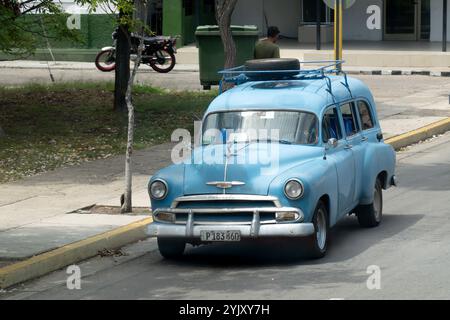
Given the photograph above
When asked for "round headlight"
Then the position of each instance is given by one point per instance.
(293, 189)
(158, 189)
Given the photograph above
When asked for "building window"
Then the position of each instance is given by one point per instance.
(309, 9)
(188, 6)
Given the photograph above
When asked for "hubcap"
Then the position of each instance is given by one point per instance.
(377, 204)
(321, 231)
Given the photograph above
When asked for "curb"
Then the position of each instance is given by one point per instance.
(379, 72)
(72, 253)
(423, 133)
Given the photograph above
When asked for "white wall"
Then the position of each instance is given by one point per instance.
(436, 20)
(285, 14)
(249, 12)
(355, 19)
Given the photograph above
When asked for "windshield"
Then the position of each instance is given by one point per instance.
(289, 127)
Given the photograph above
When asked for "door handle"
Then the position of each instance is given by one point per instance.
(364, 139)
(348, 146)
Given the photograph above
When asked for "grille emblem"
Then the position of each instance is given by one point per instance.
(225, 184)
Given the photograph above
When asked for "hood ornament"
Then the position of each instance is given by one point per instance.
(225, 184)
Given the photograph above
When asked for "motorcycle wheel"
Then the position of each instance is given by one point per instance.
(105, 61)
(163, 62)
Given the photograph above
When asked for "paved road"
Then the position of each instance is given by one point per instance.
(411, 247)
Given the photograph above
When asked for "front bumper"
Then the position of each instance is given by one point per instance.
(158, 229)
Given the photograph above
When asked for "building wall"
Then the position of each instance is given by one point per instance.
(355, 20)
(436, 20)
(249, 12)
(286, 14)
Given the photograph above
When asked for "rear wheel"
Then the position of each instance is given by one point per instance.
(105, 60)
(163, 62)
(318, 242)
(370, 215)
(171, 248)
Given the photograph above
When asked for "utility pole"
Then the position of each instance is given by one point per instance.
(318, 23)
(444, 26)
(338, 32)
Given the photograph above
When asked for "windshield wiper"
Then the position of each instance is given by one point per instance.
(280, 141)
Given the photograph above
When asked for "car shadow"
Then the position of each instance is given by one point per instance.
(347, 240)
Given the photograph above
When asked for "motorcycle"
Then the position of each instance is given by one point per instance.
(159, 53)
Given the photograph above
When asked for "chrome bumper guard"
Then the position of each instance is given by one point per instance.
(253, 229)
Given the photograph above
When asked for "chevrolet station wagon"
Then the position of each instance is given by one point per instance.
(327, 159)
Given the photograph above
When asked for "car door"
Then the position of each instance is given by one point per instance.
(355, 142)
(342, 157)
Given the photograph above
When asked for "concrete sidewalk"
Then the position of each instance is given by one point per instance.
(192, 66)
(34, 212)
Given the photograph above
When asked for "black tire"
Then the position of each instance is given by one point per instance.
(99, 59)
(171, 248)
(370, 215)
(272, 64)
(317, 246)
(167, 68)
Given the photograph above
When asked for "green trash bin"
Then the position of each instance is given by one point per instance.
(210, 50)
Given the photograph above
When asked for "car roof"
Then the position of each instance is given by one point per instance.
(311, 95)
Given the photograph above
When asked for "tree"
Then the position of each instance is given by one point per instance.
(141, 14)
(224, 10)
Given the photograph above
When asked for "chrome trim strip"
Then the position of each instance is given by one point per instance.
(192, 211)
(231, 197)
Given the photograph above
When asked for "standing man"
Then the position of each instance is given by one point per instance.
(266, 48)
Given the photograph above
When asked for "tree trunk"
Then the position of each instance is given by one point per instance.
(122, 72)
(2, 133)
(224, 10)
(127, 203)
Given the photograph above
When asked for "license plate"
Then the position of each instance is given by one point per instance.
(221, 236)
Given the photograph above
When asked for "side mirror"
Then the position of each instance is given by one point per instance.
(379, 136)
(332, 143)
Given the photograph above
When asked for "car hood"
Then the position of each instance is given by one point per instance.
(253, 165)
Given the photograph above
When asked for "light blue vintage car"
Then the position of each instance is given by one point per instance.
(325, 159)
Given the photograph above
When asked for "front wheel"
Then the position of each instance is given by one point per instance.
(370, 215)
(318, 242)
(163, 61)
(171, 248)
(105, 60)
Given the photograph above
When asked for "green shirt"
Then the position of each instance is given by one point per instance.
(266, 49)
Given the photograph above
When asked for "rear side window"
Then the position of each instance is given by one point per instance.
(350, 124)
(365, 115)
(330, 125)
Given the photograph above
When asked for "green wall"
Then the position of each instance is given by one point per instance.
(173, 18)
(176, 22)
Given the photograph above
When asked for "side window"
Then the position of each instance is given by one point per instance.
(330, 125)
(348, 116)
(365, 115)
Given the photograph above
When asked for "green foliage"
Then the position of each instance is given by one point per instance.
(49, 126)
(24, 24)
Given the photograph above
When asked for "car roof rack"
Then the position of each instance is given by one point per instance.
(238, 75)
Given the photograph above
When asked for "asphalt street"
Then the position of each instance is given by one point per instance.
(411, 250)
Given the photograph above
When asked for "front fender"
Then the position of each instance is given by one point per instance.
(108, 48)
(319, 178)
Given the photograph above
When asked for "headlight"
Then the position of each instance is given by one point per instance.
(293, 189)
(158, 189)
